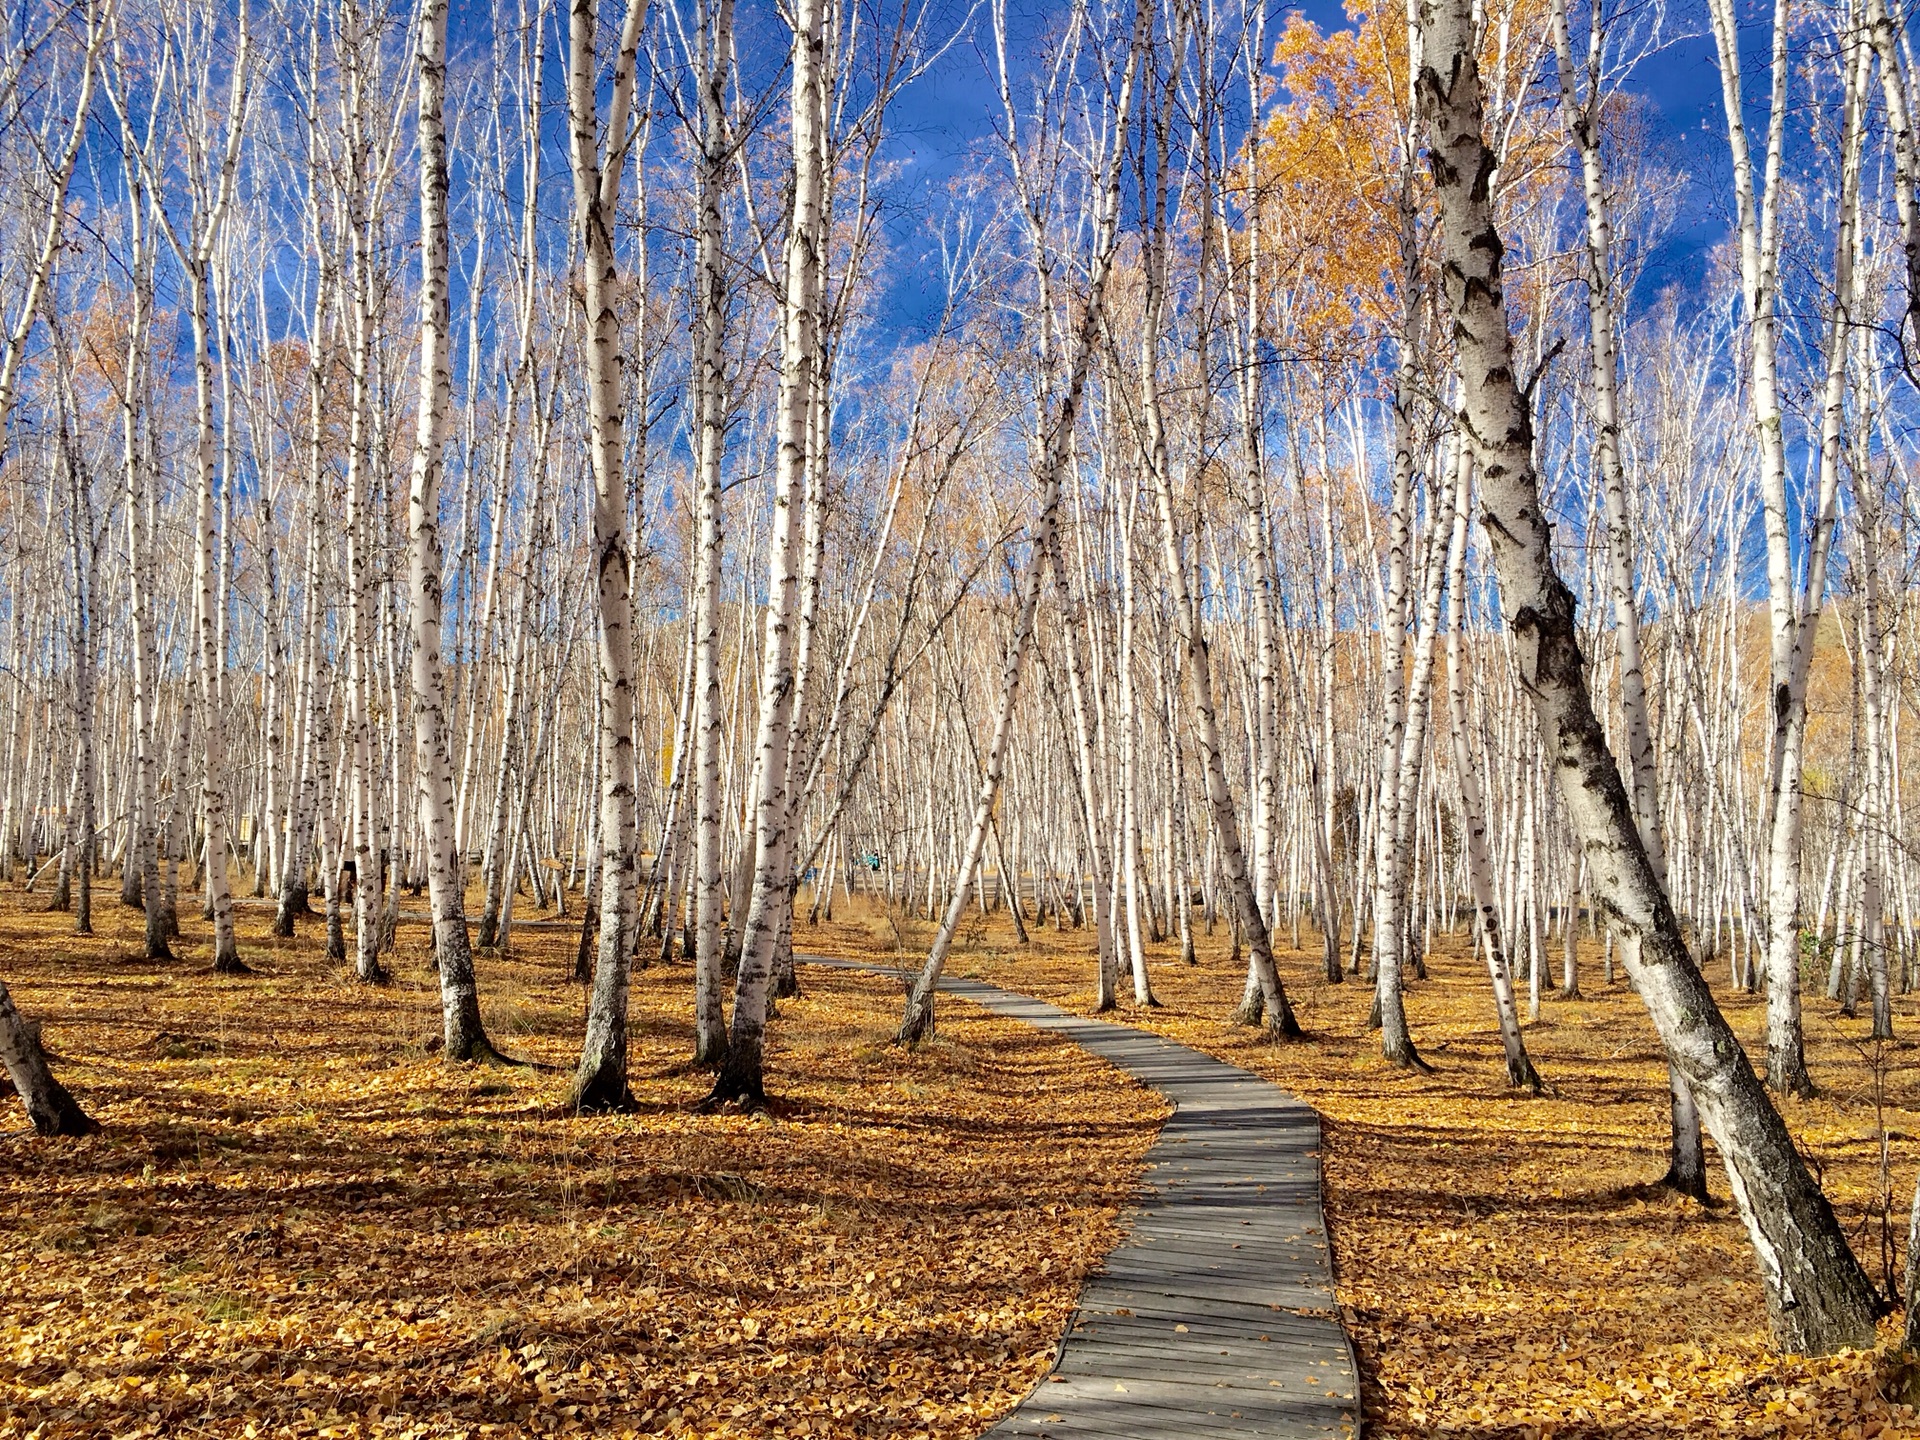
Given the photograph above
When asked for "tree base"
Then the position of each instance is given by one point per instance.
(1680, 1182)
(917, 1022)
(739, 1085)
(231, 964)
(1522, 1076)
(478, 1050)
(604, 1092)
(1406, 1057)
(59, 1114)
(1286, 1026)
(1790, 1077)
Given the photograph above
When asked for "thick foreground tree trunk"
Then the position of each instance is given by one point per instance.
(51, 1109)
(464, 1035)
(600, 1080)
(1818, 1297)
(741, 1078)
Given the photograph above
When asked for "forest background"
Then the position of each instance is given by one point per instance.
(1308, 500)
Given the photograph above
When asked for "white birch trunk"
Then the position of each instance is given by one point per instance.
(1818, 1298)
(463, 1035)
(1055, 448)
(600, 1081)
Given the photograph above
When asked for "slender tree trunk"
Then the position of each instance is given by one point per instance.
(1055, 445)
(710, 1024)
(213, 794)
(770, 904)
(1520, 1068)
(1685, 1172)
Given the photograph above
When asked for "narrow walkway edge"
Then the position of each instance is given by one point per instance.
(1215, 1316)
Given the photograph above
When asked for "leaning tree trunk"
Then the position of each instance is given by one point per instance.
(1818, 1297)
(51, 1109)
(1055, 445)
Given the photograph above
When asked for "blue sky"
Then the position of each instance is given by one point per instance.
(947, 116)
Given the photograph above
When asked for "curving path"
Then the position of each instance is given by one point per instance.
(1215, 1316)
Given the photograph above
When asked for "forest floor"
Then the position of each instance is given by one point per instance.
(1504, 1263)
(297, 1221)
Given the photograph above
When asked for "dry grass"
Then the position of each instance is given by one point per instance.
(297, 1221)
(1503, 1264)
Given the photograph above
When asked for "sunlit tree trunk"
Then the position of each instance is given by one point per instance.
(1389, 896)
(600, 1081)
(1687, 1168)
(1818, 1298)
(710, 414)
(1757, 211)
(1198, 658)
(464, 1036)
(773, 821)
(1473, 821)
(138, 502)
(210, 204)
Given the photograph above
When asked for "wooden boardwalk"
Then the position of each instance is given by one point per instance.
(1215, 1316)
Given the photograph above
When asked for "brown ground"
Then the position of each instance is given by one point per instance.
(297, 1221)
(1503, 1266)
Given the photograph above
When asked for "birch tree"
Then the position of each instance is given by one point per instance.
(213, 162)
(463, 1035)
(1818, 1298)
(50, 1108)
(740, 1079)
(599, 160)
